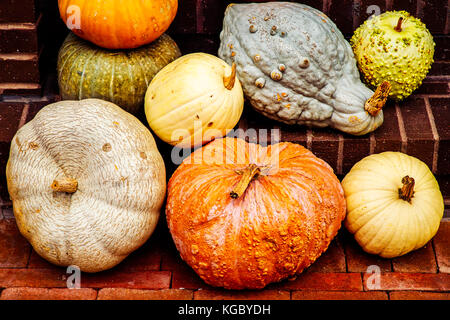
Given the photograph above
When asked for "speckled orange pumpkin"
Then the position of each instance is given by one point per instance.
(243, 215)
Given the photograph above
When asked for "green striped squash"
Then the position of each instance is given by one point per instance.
(120, 76)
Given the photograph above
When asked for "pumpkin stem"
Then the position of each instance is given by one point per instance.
(398, 27)
(228, 82)
(377, 101)
(248, 174)
(67, 185)
(407, 191)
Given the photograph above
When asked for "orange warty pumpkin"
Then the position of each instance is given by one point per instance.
(118, 24)
(243, 215)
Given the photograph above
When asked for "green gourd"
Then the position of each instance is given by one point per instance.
(119, 76)
(394, 47)
(296, 67)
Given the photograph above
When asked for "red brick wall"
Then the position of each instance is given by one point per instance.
(205, 16)
(27, 27)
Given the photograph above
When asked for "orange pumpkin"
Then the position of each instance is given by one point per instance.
(243, 215)
(118, 24)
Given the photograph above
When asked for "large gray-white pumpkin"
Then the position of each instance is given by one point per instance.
(296, 67)
(87, 183)
(119, 76)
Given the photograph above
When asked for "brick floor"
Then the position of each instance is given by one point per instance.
(323, 281)
(14, 249)
(339, 295)
(422, 260)
(411, 281)
(358, 260)
(156, 272)
(332, 260)
(419, 295)
(242, 295)
(136, 294)
(48, 294)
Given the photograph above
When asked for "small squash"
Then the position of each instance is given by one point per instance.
(395, 47)
(394, 203)
(118, 24)
(296, 67)
(243, 215)
(120, 76)
(194, 99)
(87, 183)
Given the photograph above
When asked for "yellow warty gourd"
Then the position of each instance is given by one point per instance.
(394, 204)
(194, 99)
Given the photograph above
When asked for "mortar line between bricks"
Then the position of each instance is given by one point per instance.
(24, 115)
(401, 127)
(435, 134)
(362, 281)
(419, 8)
(198, 14)
(340, 157)
(372, 143)
(7, 26)
(309, 139)
(437, 78)
(29, 258)
(433, 96)
(389, 4)
(435, 256)
(356, 5)
(326, 6)
(344, 248)
(447, 22)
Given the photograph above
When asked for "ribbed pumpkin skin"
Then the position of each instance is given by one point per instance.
(122, 77)
(281, 224)
(121, 183)
(382, 223)
(119, 24)
(188, 105)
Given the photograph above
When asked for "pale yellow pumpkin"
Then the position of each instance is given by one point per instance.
(194, 99)
(394, 204)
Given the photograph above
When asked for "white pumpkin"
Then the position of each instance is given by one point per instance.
(194, 99)
(394, 204)
(87, 183)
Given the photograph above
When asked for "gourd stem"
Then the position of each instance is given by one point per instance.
(407, 191)
(398, 27)
(377, 101)
(228, 82)
(248, 174)
(67, 185)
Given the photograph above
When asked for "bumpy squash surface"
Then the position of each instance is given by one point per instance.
(296, 67)
(243, 215)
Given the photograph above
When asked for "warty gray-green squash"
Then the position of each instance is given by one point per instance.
(296, 67)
